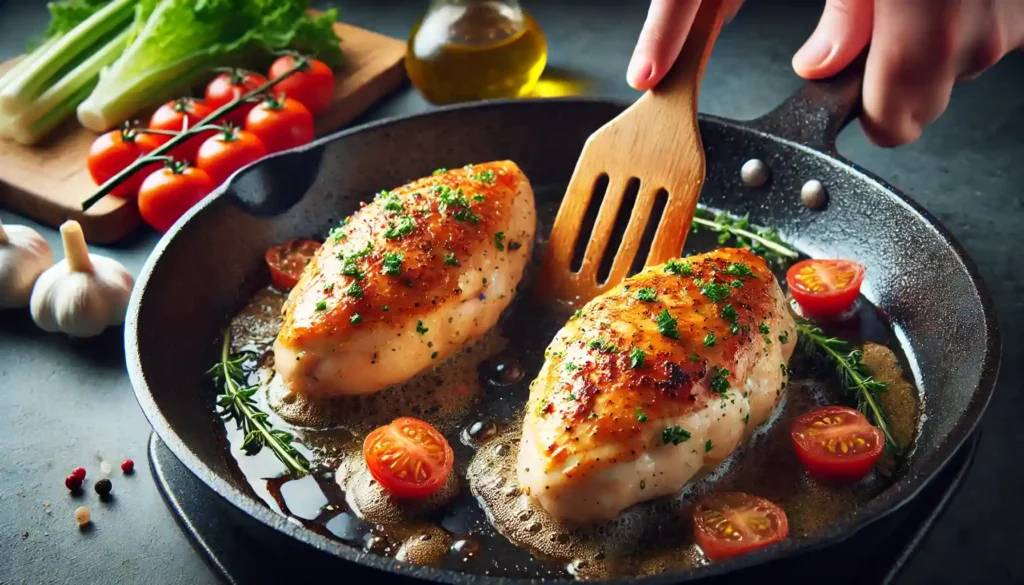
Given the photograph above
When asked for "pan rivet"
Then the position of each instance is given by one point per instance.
(754, 173)
(813, 195)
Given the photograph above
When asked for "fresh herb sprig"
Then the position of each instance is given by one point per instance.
(853, 374)
(236, 404)
(737, 231)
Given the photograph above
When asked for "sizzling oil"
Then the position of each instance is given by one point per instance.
(479, 522)
(475, 49)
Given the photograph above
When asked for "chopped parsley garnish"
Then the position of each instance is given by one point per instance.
(355, 291)
(573, 397)
(719, 381)
(403, 228)
(351, 269)
(738, 269)
(393, 263)
(709, 339)
(678, 267)
(708, 446)
(321, 306)
(729, 313)
(485, 177)
(450, 260)
(577, 313)
(433, 355)
(784, 337)
(337, 234)
(394, 204)
(328, 288)
(450, 198)
(674, 435)
(736, 283)
(694, 357)
(603, 346)
(715, 291)
(667, 325)
(420, 328)
(640, 415)
(498, 238)
(735, 328)
(384, 308)
(764, 329)
(746, 418)
(570, 367)
(646, 294)
(355, 319)
(440, 171)
(467, 216)
(636, 358)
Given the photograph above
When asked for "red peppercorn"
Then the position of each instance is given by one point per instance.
(73, 482)
(79, 472)
(127, 466)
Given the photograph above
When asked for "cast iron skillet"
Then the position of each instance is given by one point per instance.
(205, 268)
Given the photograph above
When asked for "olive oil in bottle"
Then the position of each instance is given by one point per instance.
(464, 50)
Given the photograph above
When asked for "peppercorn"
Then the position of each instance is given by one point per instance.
(127, 466)
(72, 482)
(79, 472)
(103, 486)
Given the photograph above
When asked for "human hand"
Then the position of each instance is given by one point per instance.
(919, 49)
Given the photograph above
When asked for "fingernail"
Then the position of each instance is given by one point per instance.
(813, 54)
(639, 70)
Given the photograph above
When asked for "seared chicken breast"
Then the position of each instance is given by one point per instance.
(407, 280)
(654, 380)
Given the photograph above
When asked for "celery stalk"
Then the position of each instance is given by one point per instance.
(24, 64)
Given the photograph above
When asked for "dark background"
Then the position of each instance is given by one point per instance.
(64, 404)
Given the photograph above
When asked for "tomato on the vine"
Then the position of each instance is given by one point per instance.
(311, 86)
(734, 523)
(230, 85)
(227, 151)
(169, 192)
(112, 152)
(280, 123)
(409, 458)
(837, 443)
(825, 288)
(287, 261)
(175, 116)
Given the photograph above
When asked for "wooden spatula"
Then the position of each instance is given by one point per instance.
(656, 140)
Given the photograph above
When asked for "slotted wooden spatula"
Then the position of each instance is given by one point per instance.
(656, 140)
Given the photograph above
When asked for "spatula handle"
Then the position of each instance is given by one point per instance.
(682, 81)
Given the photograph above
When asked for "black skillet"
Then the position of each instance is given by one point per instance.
(210, 262)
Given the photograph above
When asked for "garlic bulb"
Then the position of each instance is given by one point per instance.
(83, 294)
(24, 255)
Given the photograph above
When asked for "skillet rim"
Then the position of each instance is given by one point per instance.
(894, 497)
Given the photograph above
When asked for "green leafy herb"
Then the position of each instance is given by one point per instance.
(498, 238)
(321, 306)
(720, 381)
(440, 171)
(737, 231)
(694, 357)
(577, 313)
(478, 198)
(433, 355)
(351, 269)
(465, 215)
(667, 325)
(329, 287)
(420, 328)
(636, 358)
(716, 292)
(640, 415)
(784, 337)
(736, 283)
(393, 263)
(646, 295)
(355, 291)
(603, 346)
(570, 367)
(485, 177)
(674, 435)
(678, 267)
(708, 446)
(764, 329)
(851, 371)
(450, 260)
(337, 234)
(746, 418)
(406, 224)
(236, 403)
(729, 313)
(709, 339)
(739, 269)
(355, 319)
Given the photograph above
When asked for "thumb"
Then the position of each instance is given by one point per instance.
(842, 33)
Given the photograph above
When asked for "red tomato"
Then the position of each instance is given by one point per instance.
(169, 192)
(280, 123)
(229, 86)
(312, 86)
(837, 443)
(825, 288)
(111, 153)
(734, 523)
(408, 458)
(227, 151)
(287, 261)
(174, 117)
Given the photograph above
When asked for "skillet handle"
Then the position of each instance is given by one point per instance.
(816, 114)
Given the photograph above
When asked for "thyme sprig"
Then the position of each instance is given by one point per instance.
(236, 404)
(737, 231)
(852, 373)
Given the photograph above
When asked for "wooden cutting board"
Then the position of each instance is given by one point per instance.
(48, 181)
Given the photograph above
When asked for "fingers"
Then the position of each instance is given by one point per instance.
(842, 33)
(911, 68)
(668, 22)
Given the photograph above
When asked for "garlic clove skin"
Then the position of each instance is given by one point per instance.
(83, 294)
(24, 255)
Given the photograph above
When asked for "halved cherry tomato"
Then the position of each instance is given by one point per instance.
(175, 116)
(734, 523)
(825, 288)
(312, 86)
(230, 85)
(287, 261)
(280, 123)
(837, 443)
(227, 151)
(408, 458)
(110, 153)
(169, 192)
